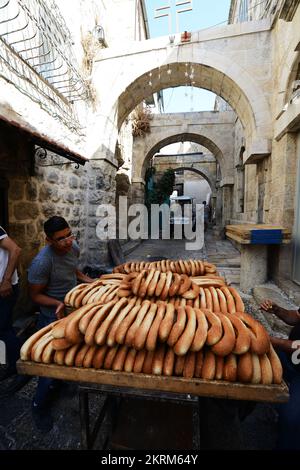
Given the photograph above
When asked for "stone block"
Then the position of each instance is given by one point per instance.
(26, 210)
(16, 190)
(31, 190)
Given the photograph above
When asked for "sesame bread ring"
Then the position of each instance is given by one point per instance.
(201, 331)
(70, 354)
(72, 332)
(29, 343)
(153, 331)
(179, 364)
(129, 361)
(243, 338)
(99, 356)
(215, 329)
(173, 267)
(39, 346)
(256, 375)
(215, 299)
(227, 342)
(260, 341)
(147, 366)
(119, 359)
(185, 284)
(139, 361)
(153, 284)
(229, 299)
(59, 357)
(187, 267)
(178, 327)
(219, 367)
(222, 301)
(61, 343)
(169, 361)
(111, 340)
(209, 300)
(158, 360)
(208, 371)
(182, 266)
(102, 331)
(125, 324)
(137, 282)
(175, 285)
(163, 266)
(143, 330)
(88, 358)
(129, 339)
(167, 323)
(184, 342)
(160, 284)
(276, 365)
(266, 370)
(245, 368)
(230, 368)
(192, 267)
(109, 357)
(199, 363)
(239, 304)
(202, 298)
(192, 293)
(81, 354)
(97, 319)
(165, 291)
(189, 365)
(85, 320)
(47, 354)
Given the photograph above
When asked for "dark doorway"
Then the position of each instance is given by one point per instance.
(4, 203)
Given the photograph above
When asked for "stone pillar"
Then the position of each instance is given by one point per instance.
(137, 191)
(253, 266)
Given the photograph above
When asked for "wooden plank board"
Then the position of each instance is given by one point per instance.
(208, 388)
(245, 241)
(244, 230)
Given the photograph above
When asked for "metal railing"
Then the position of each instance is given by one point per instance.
(36, 55)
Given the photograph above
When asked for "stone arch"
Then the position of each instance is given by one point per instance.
(227, 80)
(205, 175)
(199, 139)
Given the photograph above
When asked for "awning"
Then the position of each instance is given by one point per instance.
(42, 140)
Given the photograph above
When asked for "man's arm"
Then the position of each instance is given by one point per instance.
(36, 292)
(282, 344)
(290, 317)
(13, 257)
(83, 277)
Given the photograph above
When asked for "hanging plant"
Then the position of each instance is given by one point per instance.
(141, 122)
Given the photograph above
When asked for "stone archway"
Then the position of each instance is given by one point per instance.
(154, 65)
(144, 149)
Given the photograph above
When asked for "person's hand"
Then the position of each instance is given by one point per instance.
(268, 306)
(5, 288)
(60, 311)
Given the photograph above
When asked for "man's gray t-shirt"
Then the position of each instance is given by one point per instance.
(57, 271)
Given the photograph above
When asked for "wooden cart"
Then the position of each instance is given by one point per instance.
(162, 388)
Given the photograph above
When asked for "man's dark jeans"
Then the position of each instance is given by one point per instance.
(7, 333)
(289, 413)
(45, 384)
